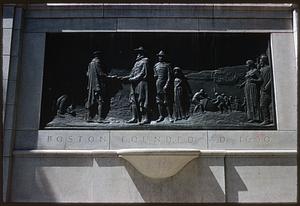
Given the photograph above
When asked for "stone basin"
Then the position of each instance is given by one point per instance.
(159, 163)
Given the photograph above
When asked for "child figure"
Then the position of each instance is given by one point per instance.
(182, 92)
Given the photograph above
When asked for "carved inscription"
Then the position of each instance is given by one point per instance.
(76, 139)
(241, 139)
(158, 140)
(257, 139)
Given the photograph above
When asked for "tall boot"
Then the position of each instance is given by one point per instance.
(134, 112)
(160, 111)
(146, 119)
(266, 115)
(170, 112)
(90, 114)
(100, 118)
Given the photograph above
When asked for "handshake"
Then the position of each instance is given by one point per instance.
(122, 79)
(125, 80)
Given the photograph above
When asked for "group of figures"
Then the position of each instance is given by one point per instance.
(221, 101)
(258, 90)
(172, 89)
(173, 95)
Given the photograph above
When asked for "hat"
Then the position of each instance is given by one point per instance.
(250, 63)
(264, 57)
(96, 53)
(140, 49)
(161, 53)
(177, 68)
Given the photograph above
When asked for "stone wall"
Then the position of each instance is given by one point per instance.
(60, 166)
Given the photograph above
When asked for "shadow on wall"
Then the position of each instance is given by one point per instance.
(50, 179)
(111, 179)
(201, 180)
(28, 143)
(265, 178)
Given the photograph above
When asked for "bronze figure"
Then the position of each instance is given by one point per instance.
(139, 79)
(200, 100)
(219, 101)
(98, 101)
(265, 89)
(163, 75)
(251, 91)
(182, 92)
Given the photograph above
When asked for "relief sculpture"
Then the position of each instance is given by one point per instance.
(158, 94)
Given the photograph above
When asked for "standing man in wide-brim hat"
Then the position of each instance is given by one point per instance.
(139, 94)
(163, 75)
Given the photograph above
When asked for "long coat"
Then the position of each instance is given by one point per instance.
(97, 77)
(252, 94)
(139, 78)
(182, 90)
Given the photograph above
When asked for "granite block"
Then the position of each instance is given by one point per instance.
(73, 139)
(64, 13)
(261, 179)
(7, 142)
(7, 23)
(257, 12)
(285, 80)
(16, 42)
(252, 24)
(6, 40)
(186, 24)
(28, 140)
(30, 81)
(5, 177)
(4, 90)
(63, 25)
(13, 68)
(8, 15)
(252, 140)
(158, 139)
(9, 116)
(5, 67)
(29, 107)
(62, 139)
(51, 179)
(120, 182)
(18, 19)
(11, 92)
(158, 11)
(33, 51)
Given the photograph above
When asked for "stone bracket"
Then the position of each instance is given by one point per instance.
(159, 163)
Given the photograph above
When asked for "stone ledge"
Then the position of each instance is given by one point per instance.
(109, 153)
(160, 9)
(285, 5)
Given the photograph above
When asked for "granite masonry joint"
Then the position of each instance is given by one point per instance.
(115, 153)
